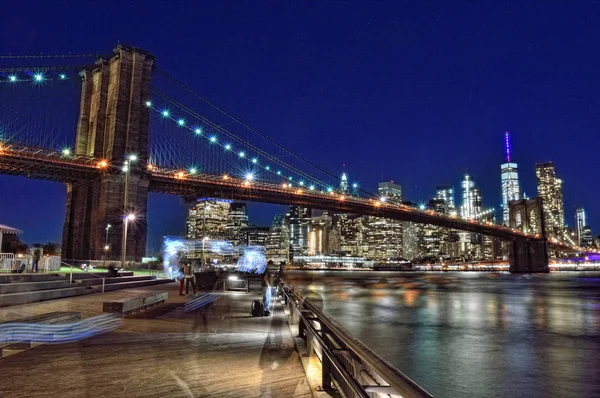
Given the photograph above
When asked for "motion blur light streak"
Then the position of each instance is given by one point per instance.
(62, 333)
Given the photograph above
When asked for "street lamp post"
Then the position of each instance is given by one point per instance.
(106, 247)
(204, 237)
(130, 159)
(203, 240)
(126, 220)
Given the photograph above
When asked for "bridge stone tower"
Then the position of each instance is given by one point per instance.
(528, 255)
(113, 124)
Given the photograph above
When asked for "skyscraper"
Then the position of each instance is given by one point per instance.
(344, 187)
(587, 239)
(579, 222)
(471, 199)
(550, 190)
(445, 193)
(298, 219)
(277, 245)
(390, 191)
(509, 178)
(208, 218)
(237, 220)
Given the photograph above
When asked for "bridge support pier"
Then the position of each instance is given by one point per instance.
(113, 124)
(528, 256)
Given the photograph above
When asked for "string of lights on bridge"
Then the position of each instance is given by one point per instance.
(242, 154)
(35, 77)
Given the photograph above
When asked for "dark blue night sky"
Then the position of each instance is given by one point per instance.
(415, 92)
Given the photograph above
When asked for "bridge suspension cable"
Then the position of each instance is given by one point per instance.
(253, 130)
(247, 145)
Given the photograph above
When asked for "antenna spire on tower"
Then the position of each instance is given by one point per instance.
(507, 145)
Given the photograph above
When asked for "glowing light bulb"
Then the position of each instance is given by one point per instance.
(312, 187)
(249, 177)
(12, 78)
(181, 122)
(254, 160)
(228, 147)
(242, 154)
(278, 172)
(148, 104)
(165, 113)
(268, 167)
(213, 139)
(38, 77)
(62, 76)
(198, 131)
(301, 183)
(66, 151)
(193, 170)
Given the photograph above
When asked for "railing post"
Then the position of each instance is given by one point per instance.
(103, 280)
(325, 363)
(71, 277)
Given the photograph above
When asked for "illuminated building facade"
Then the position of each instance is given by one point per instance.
(550, 191)
(254, 235)
(390, 191)
(579, 223)
(208, 218)
(509, 177)
(471, 199)
(319, 235)
(352, 236)
(344, 187)
(298, 219)
(413, 244)
(445, 193)
(587, 239)
(237, 220)
(277, 245)
(382, 237)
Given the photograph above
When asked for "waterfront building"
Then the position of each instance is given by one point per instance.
(319, 235)
(277, 245)
(254, 235)
(298, 219)
(509, 178)
(237, 220)
(208, 218)
(383, 236)
(549, 189)
(351, 230)
(413, 244)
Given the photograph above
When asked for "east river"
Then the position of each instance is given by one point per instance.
(472, 334)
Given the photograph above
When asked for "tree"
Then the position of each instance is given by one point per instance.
(51, 248)
(12, 244)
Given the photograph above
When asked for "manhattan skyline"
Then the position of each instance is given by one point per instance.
(421, 119)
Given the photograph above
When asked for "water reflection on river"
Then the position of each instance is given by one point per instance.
(473, 334)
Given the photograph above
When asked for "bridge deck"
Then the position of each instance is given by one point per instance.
(219, 351)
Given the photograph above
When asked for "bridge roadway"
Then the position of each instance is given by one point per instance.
(219, 351)
(52, 165)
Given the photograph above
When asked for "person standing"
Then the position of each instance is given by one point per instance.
(36, 260)
(188, 273)
(181, 280)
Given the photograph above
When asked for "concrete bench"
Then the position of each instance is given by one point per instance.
(51, 318)
(140, 303)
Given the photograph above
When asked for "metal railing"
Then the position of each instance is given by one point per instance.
(83, 272)
(6, 261)
(346, 363)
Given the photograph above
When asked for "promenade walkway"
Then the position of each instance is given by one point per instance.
(219, 351)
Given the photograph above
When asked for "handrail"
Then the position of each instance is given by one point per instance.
(397, 381)
(84, 272)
